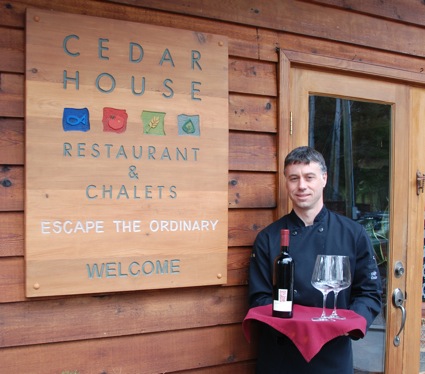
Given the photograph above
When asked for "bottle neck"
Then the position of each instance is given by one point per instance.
(285, 250)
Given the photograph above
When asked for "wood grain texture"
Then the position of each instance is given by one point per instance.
(161, 352)
(245, 190)
(237, 265)
(11, 104)
(252, 113)
(177, 127)
(252, 77)
(12, 285)
(12, 279)
(247, 367)
(313, 19)
(242, 42)
(252, 152)
(11, 95)
(252, 190)
(112, 315)
(11, 46)
(245, 224)
(12, 141)
(416, 203)
(407, 11)
(11, 234)
(404, 65)
(11, 188)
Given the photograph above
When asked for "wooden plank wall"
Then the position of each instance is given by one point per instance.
(196, 330)
(193, 329)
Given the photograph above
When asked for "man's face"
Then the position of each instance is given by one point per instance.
(305, 184)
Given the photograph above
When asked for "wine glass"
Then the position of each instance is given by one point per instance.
(341, 279)
(322, 280)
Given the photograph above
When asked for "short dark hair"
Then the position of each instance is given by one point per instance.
(305, 155)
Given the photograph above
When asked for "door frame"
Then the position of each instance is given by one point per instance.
(402, 357)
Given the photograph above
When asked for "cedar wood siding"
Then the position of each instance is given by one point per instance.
(198, 329)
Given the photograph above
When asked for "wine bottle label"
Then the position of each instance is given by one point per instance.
(282, 304)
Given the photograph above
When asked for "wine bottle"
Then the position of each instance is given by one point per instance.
(283, 280)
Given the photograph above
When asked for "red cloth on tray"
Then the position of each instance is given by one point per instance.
(308, 336)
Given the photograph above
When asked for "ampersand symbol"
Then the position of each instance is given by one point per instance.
(132, 173)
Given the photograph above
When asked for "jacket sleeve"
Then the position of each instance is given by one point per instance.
(260, 273)
(366, 289)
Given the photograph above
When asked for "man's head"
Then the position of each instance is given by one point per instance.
(305, 155)
(306, 176)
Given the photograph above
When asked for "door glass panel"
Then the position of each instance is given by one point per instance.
(355, 137)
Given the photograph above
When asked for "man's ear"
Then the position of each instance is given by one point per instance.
(325, 178)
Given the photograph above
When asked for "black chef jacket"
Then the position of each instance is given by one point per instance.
(330, 234)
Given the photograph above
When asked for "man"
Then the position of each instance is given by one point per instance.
(313, 230)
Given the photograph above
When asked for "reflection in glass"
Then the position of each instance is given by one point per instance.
(355, 137)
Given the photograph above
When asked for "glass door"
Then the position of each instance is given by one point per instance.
(355, 138)
(364, 129)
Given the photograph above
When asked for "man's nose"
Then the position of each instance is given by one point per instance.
(302, 184)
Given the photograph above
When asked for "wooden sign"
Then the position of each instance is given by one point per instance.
(126, 156)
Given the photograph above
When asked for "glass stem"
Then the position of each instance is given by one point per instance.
(325, 295)
(336, 296)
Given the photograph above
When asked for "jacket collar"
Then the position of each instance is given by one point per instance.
(298, 222)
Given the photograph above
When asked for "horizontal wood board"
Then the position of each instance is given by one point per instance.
(339, 24)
